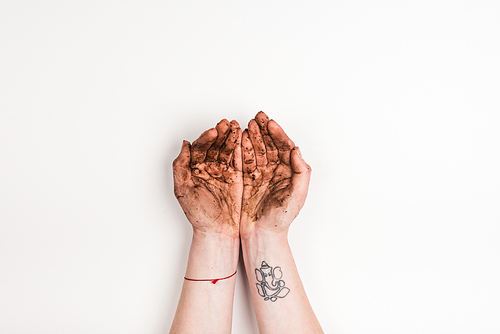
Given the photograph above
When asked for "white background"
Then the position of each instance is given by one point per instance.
(395, 105)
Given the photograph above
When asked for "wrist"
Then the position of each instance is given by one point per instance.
(220, 244)
(263, 229)
(262, 245)
(221, 229)
(222, 235)
(264, 234)
(212, 255)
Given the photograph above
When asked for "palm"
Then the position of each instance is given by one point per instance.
(266, 189)
(219, 186)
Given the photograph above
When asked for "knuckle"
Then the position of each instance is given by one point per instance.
(260, 153)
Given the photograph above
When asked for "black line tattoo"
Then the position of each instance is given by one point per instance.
(270, 285)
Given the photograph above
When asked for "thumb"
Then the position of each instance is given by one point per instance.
(298, 163)
(182, 170)
(301, 175)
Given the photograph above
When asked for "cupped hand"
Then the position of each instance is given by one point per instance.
(275, 177)
(208, 179)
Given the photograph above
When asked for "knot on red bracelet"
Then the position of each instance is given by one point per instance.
(213, 280)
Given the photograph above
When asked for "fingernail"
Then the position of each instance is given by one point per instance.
(298, 151)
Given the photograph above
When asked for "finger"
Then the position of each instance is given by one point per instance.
(222, 128)
(237, 159)
(248, 154)
(201, 145)
(271, 150)
(257, 143)
(262, 120)
(230, 144)
(301, 175)
(182, 170)
(281, 140)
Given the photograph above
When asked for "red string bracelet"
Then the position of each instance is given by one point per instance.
(209, 279)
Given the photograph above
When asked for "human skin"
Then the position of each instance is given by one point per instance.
(208, 184)
(276, 180)
(249, 186)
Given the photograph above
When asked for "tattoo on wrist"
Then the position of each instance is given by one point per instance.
(270, 285)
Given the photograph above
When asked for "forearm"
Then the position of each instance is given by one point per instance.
(205, 307)
(277, 309)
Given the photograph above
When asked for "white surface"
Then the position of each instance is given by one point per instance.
(395, 104)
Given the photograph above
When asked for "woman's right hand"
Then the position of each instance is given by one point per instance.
(275, 178)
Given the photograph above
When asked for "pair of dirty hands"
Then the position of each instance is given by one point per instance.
(237, 183)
